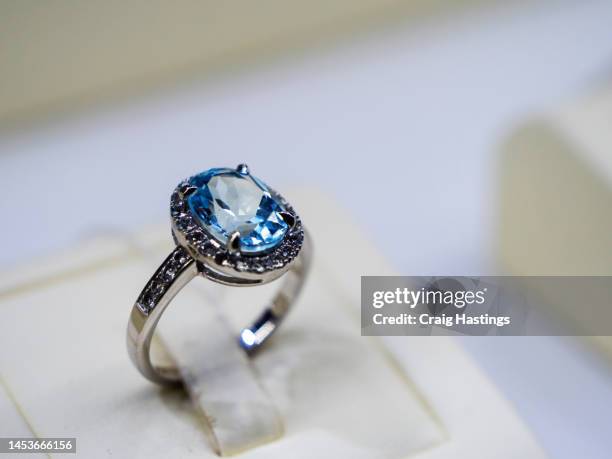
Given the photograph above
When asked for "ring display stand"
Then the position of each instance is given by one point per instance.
(318, 389)
(223, 385)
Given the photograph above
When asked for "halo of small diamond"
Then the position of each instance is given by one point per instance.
(205, 248)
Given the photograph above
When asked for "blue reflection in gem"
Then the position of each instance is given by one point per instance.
(227, 201)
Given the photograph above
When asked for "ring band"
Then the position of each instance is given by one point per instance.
(233, 229)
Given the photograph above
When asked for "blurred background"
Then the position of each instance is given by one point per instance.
(401, 110)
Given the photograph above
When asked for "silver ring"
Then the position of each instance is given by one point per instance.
(231, 228)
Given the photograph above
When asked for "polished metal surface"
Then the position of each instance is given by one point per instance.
(142, 324)
(197, 254)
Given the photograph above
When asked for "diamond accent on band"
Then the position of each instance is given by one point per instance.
(226, 201)
(172, 266)
(201, 245)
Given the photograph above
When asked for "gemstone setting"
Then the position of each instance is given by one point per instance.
(228, 201)
(222, 263)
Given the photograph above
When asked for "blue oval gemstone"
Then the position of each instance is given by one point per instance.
(227, 201)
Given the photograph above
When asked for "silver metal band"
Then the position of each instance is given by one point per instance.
(174, 273)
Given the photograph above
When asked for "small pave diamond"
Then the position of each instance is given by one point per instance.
(227, 201)
(159, 284)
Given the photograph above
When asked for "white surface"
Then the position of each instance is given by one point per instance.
(556, 196)
(406, 121)
(587, 125)
(338, 394)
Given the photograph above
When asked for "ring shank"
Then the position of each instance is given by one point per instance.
(177, 271)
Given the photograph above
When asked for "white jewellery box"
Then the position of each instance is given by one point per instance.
(318, 389)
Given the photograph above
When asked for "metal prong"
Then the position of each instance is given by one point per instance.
(233, 244)
(186, 191)
(288, 218)
(242, 169)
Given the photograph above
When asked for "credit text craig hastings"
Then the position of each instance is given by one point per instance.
(435, 307)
